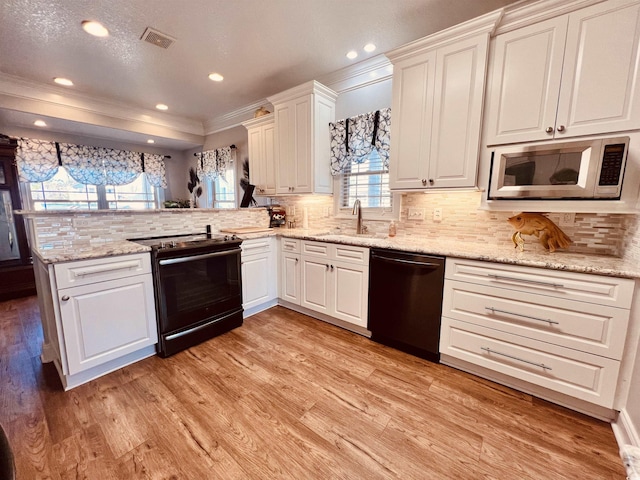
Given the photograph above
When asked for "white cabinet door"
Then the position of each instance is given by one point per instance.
(350, 287)
(455, 133)
(315, 285)
(413, 91)
(599, 91)
(257, 284)
(260, 135)
(437, 103)
(290, 286)
(527, 69)
(293, 146)
(106, 320)
(573, 75)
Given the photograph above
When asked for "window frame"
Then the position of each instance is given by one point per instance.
(102, 201)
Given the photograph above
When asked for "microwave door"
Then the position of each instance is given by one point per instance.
(543, 173)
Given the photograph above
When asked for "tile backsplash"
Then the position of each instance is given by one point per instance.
(617, 235)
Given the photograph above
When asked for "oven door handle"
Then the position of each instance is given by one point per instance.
(194, 258)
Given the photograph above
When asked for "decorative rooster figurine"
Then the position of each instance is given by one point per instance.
(550, 235)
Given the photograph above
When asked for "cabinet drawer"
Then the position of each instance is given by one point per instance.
(581, 375)
(256, 245)
(590, 328)
(317, 249)
(290, 245)
(615, 292)
(85, 272)
(351, 254)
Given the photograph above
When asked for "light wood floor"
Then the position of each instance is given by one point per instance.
(284, 396)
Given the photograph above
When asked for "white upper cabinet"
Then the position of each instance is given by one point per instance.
(438, 92)
(262, 163)
(572, 75)
(302, 150)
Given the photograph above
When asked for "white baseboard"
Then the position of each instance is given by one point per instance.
(625, 431)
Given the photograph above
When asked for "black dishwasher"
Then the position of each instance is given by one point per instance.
(405, 301)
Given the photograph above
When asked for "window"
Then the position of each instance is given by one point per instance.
(367, 181)
(224, 192)
(62, 192)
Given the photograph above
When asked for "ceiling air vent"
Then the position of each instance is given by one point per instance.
(157, 38)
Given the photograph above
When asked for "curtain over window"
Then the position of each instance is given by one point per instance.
(214, 163)
(39, 160)
(353, 139)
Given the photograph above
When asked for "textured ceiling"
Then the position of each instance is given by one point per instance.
(261, 47)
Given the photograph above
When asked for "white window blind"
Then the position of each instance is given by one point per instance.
(367, 181)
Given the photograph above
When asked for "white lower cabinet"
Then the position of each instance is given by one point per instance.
(258, 267)
(335, 281)
(330, 279)
(543, 331)
(98, 315)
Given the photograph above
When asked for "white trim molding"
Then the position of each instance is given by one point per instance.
(625, 431)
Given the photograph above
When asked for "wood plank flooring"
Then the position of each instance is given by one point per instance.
(288, 397)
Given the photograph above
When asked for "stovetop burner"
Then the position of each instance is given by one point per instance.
(191, 240)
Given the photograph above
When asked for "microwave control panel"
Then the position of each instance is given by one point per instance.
(612, 165)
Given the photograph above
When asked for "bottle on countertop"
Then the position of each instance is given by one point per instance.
(392, 229)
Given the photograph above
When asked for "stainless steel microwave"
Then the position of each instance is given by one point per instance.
(585, 169)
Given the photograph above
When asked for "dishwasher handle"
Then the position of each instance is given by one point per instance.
(431, 266)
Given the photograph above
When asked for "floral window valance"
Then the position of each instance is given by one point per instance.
(214, 163)
(354, 138)
(39, 160)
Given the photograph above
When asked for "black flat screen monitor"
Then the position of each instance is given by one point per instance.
(248, 195)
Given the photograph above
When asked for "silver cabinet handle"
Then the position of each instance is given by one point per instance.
(431, 181)
(561, 128)
(522, 280)
(549, 130)
(327, 266)
(424, 182)
(541, 365)
(297, 260)
(550, 322)
(332, 268)
(65, 298)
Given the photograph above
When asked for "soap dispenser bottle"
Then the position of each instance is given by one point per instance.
(392, 229)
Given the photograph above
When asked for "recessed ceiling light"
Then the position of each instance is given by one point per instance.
(40, 123)
(151, 140)
(95, 28)
(63, 81)
(216, 77)
(352, 54)
(369, 47)
(162, 106)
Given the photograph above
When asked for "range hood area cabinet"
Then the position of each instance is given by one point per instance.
(262, 161)
(575, 74)
(302, 143)
(438, 95)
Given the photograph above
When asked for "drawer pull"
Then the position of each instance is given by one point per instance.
(113, 267)
(522, 280)
(546, 320)
(541, 365)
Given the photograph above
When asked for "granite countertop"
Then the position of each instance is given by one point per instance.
(573, 262)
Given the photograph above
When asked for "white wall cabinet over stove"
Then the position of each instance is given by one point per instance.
(571, 75)
(98, 315)
(259, 287)
(558, 335)
(262, 161)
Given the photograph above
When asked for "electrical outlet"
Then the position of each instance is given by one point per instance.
(415, 213)
(437, 214)
(80, 222)
(567, 219)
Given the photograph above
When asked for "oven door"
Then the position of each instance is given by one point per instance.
(193, 289)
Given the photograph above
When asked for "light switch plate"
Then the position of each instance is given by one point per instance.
(437, 214)
(567, 219)
(415, 213)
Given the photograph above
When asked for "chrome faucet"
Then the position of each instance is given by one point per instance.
(357, 210)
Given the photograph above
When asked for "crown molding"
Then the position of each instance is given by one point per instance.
(307, 88)
(526, 13)
(20, 94)
(234, 118)
(484, 24)
(368, 72)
